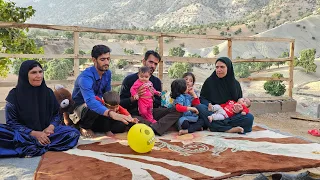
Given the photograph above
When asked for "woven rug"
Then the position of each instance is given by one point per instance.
(201, 155)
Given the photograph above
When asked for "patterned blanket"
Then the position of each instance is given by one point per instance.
(201, 155)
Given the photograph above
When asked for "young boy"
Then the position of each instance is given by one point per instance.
(111, 100)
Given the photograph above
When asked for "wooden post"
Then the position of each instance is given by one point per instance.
(318, 111)
(76, 53)
(230, 49)
(291, 67)
(160, 68)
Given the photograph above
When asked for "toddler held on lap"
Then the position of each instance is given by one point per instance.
(145, 100)
(224, 111)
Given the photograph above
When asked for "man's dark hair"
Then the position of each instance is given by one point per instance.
(98, 50)
(189, 74)
(155, 54)
(178, 87)
(111, 98)
(144, 69)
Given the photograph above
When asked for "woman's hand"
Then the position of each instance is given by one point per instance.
(49, 130)
(237, 108)
(193, 109)
(41, 137)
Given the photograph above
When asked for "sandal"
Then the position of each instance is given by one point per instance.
(314, 132)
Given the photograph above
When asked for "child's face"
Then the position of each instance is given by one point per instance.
(244, 101)
(189, 81)
(144, 77)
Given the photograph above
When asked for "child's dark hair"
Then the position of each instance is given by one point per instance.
(178, 87)
(189, 74)
(144, 69)
(111, 98)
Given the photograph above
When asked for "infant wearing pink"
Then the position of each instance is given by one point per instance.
(145, 102)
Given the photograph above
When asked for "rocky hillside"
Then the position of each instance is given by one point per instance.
(305, 32)
(163, 13)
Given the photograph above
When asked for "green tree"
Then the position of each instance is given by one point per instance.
(194, 55)
(275, 88)
(216, 50)
(122, 63)
(283, 55)
(12, 40)
(71, 51)
(178, 69)
(128, 51)
(176, 51)
(68, 35)
(306, 61)
(57, 69)
(115, 77)
(241, 70)
(139, 38)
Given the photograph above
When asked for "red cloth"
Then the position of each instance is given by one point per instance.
(228, 107)
(181, 108)
(121, 110)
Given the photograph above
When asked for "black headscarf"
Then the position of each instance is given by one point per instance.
(36, 106)
(219, 90)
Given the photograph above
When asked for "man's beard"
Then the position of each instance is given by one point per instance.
(103, 68)
(151, 71)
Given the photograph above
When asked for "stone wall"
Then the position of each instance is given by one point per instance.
(273, 106)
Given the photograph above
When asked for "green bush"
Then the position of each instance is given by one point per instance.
(176, 51)
(178, 69)
(275, 88)
(241, 70)
(216, 50)
(122, 63)
(57, 69)
(306, 61)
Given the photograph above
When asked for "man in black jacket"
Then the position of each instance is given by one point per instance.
(165, 117)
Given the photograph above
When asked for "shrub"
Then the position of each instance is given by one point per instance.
(122, 63)
(57, 69)
(178, 69)
(241, 70)
(275, 88)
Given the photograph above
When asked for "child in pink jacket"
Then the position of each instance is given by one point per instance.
(145, 101)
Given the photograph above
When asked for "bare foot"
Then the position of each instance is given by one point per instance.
(183, 131)
(110, 134)
(235, 130)
(210, 118)
(88, 133)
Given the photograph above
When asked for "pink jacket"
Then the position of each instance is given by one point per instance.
(150, 91)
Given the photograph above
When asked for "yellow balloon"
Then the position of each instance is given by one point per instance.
(141, 138)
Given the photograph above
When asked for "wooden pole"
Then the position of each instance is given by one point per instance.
(291, 67)
(76, 53)
(160, 68)
(230, 49)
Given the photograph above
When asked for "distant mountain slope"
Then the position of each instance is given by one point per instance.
(149, 13)
(305, 32)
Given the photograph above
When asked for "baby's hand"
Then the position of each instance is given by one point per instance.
(136, 97)
(210, 107)
(194, 110)
(243, 113)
